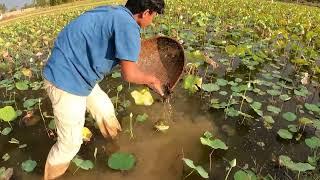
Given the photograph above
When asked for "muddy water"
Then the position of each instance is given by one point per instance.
(159, 154)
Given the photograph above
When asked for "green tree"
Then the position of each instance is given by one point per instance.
(3, 8)
(40, 3)
(26, 6)
(57, 2)
(13, 9)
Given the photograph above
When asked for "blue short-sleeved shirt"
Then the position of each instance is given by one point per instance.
(90, 46)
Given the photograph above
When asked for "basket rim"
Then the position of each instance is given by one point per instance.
(181, 50)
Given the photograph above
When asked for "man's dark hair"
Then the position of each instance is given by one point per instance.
(138, 6)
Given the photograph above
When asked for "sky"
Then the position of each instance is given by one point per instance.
(15, 3)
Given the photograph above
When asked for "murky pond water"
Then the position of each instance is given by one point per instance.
(159, 154)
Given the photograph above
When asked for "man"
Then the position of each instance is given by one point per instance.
(84, 51)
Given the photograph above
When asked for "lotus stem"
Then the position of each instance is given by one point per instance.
(44, 122)
(189, 174)
(117, 100)
(210, 162)
(225, 116)
(131, 128)
(14, 98)
(76, 170)
(10, 125)
(228, 173)
(245, 91)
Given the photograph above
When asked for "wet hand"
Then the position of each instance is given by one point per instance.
(156, 86)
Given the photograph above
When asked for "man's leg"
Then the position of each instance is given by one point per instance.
(69, 112)
(102, 110)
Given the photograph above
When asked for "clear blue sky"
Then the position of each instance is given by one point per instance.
(15, 3)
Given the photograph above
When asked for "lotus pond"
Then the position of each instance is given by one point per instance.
(248, 106)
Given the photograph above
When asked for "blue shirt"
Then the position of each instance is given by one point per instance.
(90, 46)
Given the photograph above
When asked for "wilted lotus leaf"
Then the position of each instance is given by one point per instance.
(142, 97)
(26, 72)
(86, 134)
(192, 83)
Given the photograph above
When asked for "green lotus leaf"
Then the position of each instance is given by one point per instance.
(285, 134)
(268, 119)
(284, 97)
(210, 87)
(142, 118)
(199, 169)
(289, 116)
(121, 161)
(273, 109)
(6, 131)
(215, 143)
(232, 112)
(273, 92)
(244, 175)
(28, 165)
(293, 128)
(301, 167)
(22, 85)
(8, 114)
(192, 83)
(83, 164)
(222, 82)
(313, 142)
(312, 107)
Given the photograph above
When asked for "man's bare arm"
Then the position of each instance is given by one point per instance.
(131, 73)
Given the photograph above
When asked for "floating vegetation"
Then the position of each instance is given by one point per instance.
(28, 165)
(142, 97)
(82, 164)
(253, 65)
(121, 161)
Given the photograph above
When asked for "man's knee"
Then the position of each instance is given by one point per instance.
(63, 152)
(71, 146)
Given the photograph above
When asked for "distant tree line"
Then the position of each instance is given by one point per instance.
(301, 1)
(307, 2)
(35, 3)
(56, 2)
(3, 8)
(41, 3)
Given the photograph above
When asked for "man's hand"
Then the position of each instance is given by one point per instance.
(156, 86)
(131, 73)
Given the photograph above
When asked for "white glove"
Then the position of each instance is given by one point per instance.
(102, 110)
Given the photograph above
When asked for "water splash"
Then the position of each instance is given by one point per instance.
(167, 109)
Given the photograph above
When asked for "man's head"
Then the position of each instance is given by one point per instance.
(145, 10)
